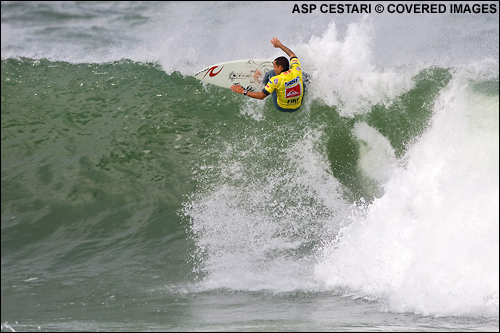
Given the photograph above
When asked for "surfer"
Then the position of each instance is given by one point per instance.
(285, 83)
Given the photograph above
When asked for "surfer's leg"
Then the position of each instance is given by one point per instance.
(275, 100)
(268, 75)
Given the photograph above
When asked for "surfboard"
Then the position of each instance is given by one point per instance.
(241, 72)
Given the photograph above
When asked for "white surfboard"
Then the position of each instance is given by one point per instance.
(241, 72)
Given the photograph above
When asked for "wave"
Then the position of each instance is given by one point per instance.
(384, 186)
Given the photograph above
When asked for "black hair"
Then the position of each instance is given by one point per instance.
(283, 62)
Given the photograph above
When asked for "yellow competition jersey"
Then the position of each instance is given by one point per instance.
(288, 85)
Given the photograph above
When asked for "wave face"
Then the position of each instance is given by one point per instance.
(130, 189)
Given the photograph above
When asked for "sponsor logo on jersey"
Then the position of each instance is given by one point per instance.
(293, 91)
(292, 82)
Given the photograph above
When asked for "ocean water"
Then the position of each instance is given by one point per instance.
(136, 198)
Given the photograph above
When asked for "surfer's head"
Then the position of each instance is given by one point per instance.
(281, 65)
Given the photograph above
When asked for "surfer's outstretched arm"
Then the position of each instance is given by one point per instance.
(254, 94)
(276, 43)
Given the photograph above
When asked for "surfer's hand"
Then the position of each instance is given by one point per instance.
(237, 89)
(276, 43)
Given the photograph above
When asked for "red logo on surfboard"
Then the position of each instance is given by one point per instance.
(211, 73)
